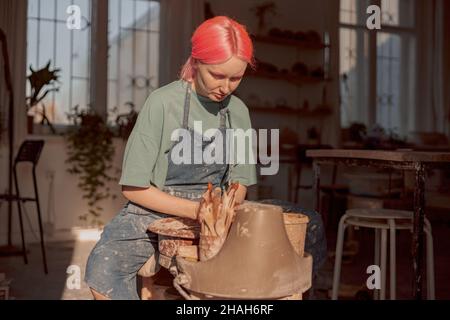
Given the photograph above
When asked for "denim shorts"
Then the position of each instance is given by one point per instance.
(125, 245)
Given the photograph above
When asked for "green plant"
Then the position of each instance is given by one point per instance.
(90, 155)
(39, 80)
(125, 121)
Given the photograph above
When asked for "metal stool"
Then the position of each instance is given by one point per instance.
(29, 151)
(383, 220)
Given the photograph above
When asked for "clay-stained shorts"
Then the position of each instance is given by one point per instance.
(125, 245)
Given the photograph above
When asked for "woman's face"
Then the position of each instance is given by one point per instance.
(217, 81)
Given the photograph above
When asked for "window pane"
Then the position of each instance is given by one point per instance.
(398, 12)
(395, 80)
(81, 53)
(348, 12)
(388, 80)
(354, 11)
(46, 8)
(133, 57)
(353, 76)
(49, 39)
(33, 8)
(61, 10)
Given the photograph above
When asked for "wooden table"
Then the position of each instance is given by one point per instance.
(403, 160)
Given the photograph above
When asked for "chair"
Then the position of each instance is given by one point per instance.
(382, 221)
(332, 190)
(29, 151)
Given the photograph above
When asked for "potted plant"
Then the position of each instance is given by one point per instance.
(39, 80)
(90, 155)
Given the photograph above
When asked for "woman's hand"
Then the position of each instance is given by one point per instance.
(241, 193)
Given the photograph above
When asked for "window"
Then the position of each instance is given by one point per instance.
(133, 54)
(377, 66)
(49, 40)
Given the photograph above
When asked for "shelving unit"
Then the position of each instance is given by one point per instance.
(317, 112)
(307, 45)
(289, 77)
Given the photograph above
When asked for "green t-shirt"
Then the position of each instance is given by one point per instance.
(145, 160)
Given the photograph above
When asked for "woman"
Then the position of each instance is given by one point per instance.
(155, 184)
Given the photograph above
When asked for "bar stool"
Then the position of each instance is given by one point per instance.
(383, 220)
(30, 151)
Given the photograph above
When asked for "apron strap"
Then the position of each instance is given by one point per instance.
(187, 101)
(223, 116)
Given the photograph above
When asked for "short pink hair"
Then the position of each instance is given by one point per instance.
(215, 41)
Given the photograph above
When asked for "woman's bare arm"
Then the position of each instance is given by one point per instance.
(157, 200)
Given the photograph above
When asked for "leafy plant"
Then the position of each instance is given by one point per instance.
(125, 121)
(39, 80)
(90, 155)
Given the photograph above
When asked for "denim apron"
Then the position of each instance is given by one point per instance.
(126, 244)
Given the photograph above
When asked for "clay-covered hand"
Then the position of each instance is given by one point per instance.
(205, 210)
(216, 213)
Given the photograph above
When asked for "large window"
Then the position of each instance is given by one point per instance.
(377, 66)
(49, 40)
(133, 54)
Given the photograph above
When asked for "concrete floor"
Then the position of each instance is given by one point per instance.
(66, 260)
(30, 282)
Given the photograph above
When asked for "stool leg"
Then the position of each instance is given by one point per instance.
(376, 292)
(41, 230)
(392, 260)
(430, 261)
(383, 263)
(338, 258)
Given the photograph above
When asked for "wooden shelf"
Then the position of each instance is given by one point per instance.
(291, 43)
(297, 80)
(318, 112)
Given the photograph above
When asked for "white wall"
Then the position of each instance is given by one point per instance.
(67, 204)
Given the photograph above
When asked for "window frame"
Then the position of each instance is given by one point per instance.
(98, 61)
(371, 111)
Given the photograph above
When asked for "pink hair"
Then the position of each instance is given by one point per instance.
(215, 41)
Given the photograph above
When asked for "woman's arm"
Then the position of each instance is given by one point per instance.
(157, 200)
